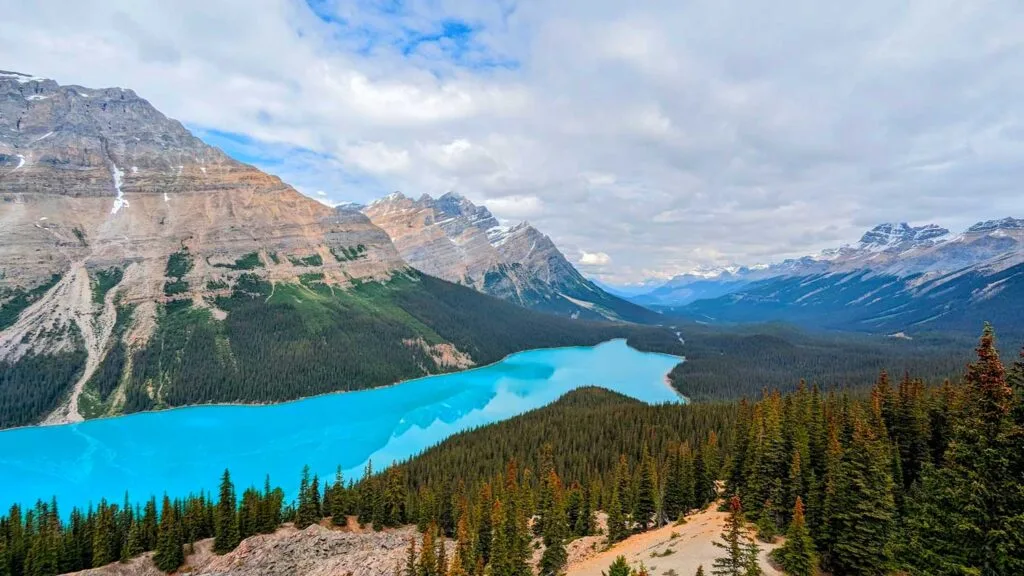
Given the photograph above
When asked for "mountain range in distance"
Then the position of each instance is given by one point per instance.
(897, 278)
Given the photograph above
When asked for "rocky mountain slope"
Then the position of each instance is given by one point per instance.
(897, 278)
(141, 268)
(451, 238)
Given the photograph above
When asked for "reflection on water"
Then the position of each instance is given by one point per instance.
(184, 450)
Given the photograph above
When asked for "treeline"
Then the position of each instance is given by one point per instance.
(289, 341)
(37, 542)
(737, 362)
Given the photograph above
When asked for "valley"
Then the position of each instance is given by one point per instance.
(105, 458)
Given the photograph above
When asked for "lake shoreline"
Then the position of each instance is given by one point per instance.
(338, 392)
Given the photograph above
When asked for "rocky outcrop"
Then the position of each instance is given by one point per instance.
(452, 238)
(314, 551)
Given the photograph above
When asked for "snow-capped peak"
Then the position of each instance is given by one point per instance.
(20, 78)
(994, 225)
(902, 236)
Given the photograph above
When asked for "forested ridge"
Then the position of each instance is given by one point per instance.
(288, 341)
(291, 340)
(733, 362)
(911, 478)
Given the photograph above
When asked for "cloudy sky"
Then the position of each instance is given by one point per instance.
(646, 137)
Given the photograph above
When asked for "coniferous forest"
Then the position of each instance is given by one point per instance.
(907, 478)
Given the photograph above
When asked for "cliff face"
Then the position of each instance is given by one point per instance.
(106, 203)
(451, 238)
(96, 178)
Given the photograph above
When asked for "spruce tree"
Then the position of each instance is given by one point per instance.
(226, 533)
(616, 520)
(646, 501)
(308, 514)
(863, 518)
(741, 551)
(427, 564)
(676, 499)
(105, 547)
(485, 524)
(554, 557)
(169, 554)
(797, 556)
(410, 567)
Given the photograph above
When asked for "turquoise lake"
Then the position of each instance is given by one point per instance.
(186, 449)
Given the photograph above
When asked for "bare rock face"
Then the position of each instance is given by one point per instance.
(100, 177)
(99, 180)
(451, 238)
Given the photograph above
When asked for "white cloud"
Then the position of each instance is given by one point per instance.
(516, 207)
(668, 134)
(321, 193)
(594, 259)
(377, 157)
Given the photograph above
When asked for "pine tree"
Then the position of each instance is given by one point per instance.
(410, 568)
(485, 524)
(307, 514)
(105, 547)
(5, 553)
(441, 561)
(149, 525)
(554, 557)
(134, 546)
(618, 568)
(427, 564)
(676, 499)
(169, 554)
(546, 497)
(741, 551)
(646, 496)
(862, 521)
(797, 556)
(463, 560)
(700, 570)
(616, 520)
(226, 531)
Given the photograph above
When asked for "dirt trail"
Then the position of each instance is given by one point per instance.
(671, 550)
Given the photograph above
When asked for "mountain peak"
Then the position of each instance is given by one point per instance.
(900, 235)
(19, 77)
(1008, 223)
